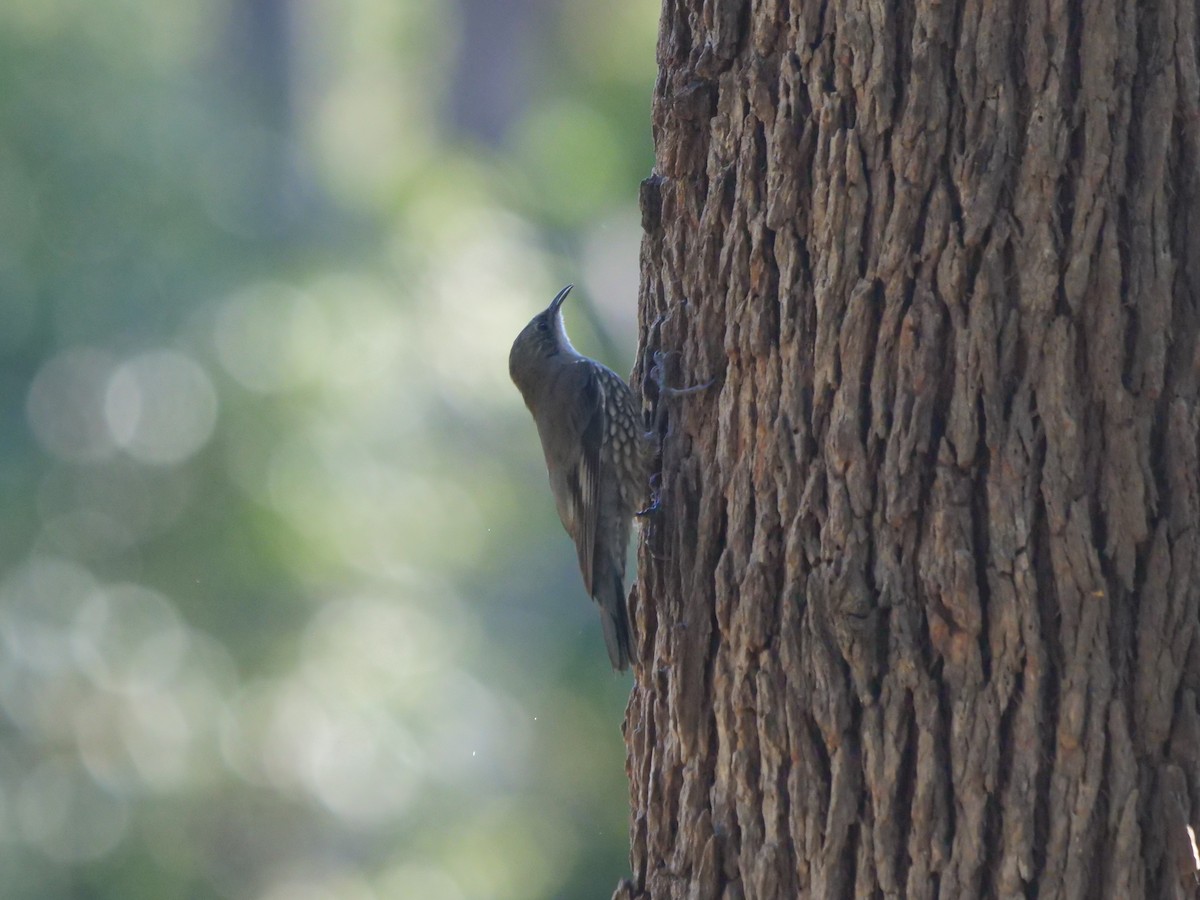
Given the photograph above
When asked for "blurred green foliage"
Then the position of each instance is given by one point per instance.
(285, 612)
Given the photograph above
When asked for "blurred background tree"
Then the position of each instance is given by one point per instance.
(285, 611)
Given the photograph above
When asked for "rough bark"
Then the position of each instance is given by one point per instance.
(920, 616)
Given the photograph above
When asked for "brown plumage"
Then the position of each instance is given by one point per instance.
(597, 457)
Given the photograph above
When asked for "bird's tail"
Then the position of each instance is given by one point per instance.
(614, 617)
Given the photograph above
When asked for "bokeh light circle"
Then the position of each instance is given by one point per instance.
(160, 407)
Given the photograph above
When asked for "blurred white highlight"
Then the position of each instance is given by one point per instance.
(66, 406)
(161, 407)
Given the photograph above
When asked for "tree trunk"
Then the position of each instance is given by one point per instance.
(920, 616)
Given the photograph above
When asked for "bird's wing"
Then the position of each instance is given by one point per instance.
(583, 479)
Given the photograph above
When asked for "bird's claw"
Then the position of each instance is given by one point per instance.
(655, 506)
(655, 498)
(694, 389)
(658, 374)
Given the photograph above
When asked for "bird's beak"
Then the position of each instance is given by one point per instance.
(560, 297)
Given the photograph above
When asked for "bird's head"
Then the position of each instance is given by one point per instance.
(542, 339)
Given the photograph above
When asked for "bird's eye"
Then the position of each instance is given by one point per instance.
(543, 325)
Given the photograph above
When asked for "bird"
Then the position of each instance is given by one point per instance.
(597, 457)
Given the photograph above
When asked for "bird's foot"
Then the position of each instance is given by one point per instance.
(655, 506)
(658, 374)
(655, 498)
